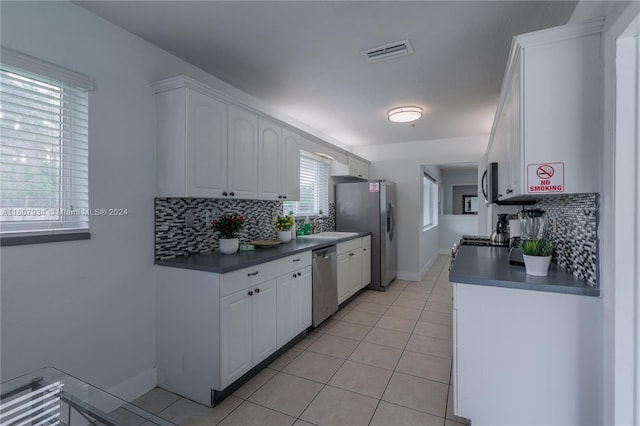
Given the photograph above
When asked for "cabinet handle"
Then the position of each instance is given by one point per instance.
(280, 196)
(509, 191)
(250, 293)
(499, 195)
(350, 254)
(253, 273)
(284, 196)
(225, 193)
(364, 249)
(257, 290)
(294, 275)
(297, 259)
(232, 194)
(299, 273)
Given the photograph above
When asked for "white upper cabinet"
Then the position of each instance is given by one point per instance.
(354, 168)
(358, 168)
(269, 159)
(206, 145)
(278, 162)
(242, 154)
(210, 147)
(547, 132)
(191, 149)
(290, 170)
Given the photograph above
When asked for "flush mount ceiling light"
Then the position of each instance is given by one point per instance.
(404, 114)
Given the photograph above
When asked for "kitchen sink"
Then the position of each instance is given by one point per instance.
(329, 235)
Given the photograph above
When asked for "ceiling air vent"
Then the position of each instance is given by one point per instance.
(388, 51)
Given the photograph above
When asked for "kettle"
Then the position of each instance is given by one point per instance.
(500, 237)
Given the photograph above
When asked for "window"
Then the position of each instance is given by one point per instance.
(44, 178)
(314, 187)
(429, 201)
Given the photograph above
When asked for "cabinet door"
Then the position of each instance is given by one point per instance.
(515, 133)
(294, 304)
(269, 160)
(264, 320)
(303, 300)
(358, 169)
(366, 261)
(290, 165)
(286, 308)
(206, 145)
(235, 336)
(242, 155)
(502, 157)
(355, 271)
(343, 277)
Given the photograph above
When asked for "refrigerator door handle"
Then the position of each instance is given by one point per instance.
(390, 222)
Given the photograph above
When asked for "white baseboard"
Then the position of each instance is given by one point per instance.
(428, 265)
(412, 276)
(444, 251)
(407, 276)
(136, 386)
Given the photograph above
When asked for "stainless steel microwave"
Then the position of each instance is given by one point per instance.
(490, 183)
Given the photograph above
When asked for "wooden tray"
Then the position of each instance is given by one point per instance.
(265, 243)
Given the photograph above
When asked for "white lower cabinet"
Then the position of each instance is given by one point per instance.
(349, 268)
(236, 335)
(213, 328)
(523, 357)
(247, 329)
(294, 295)
(366, 261)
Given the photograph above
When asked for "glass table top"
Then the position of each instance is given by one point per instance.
(50, 397)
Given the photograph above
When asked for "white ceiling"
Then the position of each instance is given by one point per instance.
(304, 58)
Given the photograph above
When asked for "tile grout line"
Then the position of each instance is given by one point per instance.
(396, 366)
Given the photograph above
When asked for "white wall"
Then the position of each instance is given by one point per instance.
(88, 307)
(451, 177)
(454, 226)
(401, 164)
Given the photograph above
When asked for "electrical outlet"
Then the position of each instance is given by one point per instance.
(189, 219)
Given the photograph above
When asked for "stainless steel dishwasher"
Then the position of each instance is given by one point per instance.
(325, 284)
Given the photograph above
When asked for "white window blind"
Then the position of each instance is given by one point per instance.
(314, 187)
(44, 177)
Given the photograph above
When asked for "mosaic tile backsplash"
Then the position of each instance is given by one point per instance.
(173, 238)
(576, 239)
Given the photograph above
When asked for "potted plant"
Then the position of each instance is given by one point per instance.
(283, 226)
(229, 227)
(537, 255)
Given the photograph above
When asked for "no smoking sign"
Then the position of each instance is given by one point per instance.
(545, 178)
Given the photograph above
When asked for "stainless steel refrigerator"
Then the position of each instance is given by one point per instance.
(371, 206)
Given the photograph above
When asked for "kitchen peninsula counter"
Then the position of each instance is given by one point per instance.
(489, 266)
(214, 261)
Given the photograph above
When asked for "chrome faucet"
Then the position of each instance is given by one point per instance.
(316, 225)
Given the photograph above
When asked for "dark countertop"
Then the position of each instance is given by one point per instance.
(214, 261)
(490, 266)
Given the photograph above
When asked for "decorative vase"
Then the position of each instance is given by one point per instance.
(228, 245)
(537, 265)
(284, 236)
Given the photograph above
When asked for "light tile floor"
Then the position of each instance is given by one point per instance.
(384, 359)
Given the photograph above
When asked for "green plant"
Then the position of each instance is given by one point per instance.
(284, 223)
(537, 248)
(229, 225)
